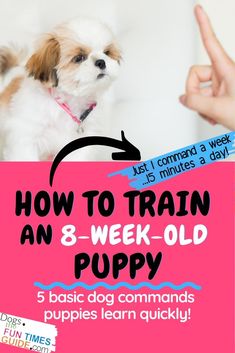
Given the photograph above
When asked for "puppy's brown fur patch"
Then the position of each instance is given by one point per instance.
(10, 90)
(113, 52)
(42, 64)
(8, 59)
(79, 50)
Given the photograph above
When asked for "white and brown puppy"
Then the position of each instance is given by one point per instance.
(55, 96)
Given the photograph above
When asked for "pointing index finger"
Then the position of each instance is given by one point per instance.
(213, 47)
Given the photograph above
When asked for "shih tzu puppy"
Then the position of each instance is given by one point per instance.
(55, 95)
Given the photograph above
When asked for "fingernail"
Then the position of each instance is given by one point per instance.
(182, 99)
(200, 8)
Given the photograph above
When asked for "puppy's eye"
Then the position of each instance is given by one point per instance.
(79, 59)
(113, 52)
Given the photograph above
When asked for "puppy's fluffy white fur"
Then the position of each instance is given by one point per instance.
(77, 62)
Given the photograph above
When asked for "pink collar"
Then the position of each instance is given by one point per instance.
(66, 108)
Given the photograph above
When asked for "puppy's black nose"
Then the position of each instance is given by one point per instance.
(101, 64)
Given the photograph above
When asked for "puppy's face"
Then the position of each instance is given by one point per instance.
(81, 58)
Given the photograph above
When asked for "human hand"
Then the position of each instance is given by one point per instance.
(216, 101)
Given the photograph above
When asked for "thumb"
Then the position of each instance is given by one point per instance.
(201, 104)
(219, 109)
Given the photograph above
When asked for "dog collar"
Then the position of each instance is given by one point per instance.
(67, 109)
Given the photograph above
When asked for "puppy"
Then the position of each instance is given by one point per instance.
(55, 95)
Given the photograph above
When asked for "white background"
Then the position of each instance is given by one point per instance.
(160, 42)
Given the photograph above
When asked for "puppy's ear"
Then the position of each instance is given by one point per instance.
(42, 64)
